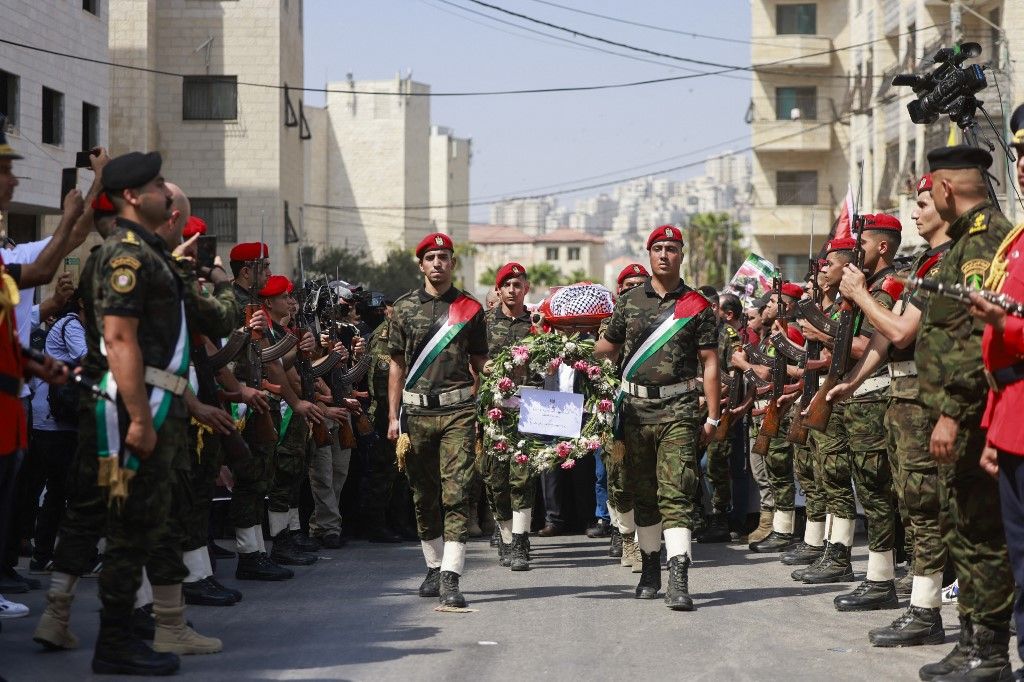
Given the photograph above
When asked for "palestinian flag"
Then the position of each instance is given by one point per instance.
(440, 334)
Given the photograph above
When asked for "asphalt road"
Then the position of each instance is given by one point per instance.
(355, 615)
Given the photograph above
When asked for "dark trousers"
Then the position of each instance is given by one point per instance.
(54, 452)
(9, 464)
(1011, 498)
(551, 487)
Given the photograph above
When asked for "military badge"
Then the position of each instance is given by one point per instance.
(438, 240)
(130, 238)
(122, 280)
(974, 272)
(980, 224)
(125, 262)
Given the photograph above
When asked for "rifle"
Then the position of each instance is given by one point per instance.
(234, 445)
(734, 397)
(772, 422)
(342, 380)
(958, 292)
(264, 430)
(798, 431)
(78, 379)
(303, 364)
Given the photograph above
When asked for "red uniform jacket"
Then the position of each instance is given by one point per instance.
(13, 429)
(1004, 409)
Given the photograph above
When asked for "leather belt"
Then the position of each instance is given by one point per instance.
(10, 384)
(1001, 378)
(656, 392)
(459, 395)
(904, 368)
(172, 383)
(871, 385)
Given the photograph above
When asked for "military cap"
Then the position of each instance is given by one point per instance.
(792, 290)
(275, 286)
(102, 205)
(631, 270)
(248, 251)
(665, 233)
(1017, 127)
(433, 242)
(925, 183)
(882, 221)
(6, 150)
(958, 157)
(131, 170)
(842, 244)
(507, 271)
(194, 226)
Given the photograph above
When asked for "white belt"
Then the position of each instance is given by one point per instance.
(761, 404)
(871, 385)
(904, 368)
(656, 392)
(459, 395)
(172, 383)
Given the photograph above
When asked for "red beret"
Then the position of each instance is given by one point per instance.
(794, 335)
(792, 290)
(509, 270)
(925, 183)
(103, 204)
(436, 240)
(843, 244)
(275, 286)
(248, 251)
(882, 221)
(665, 233)
(632, 270)
(194, 226)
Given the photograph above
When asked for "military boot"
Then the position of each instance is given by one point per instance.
(204, 593)
(801, 553)
(257, 566)
(449, 593)
(637, 561)
(835, 566)
(870, 595)
(905, 585)
(650, 575)
(677, 596)
(987, 659)
(52, 631)
(473, 522)
(519, 558)
(142, 622)
(284, 552)
(302, 542)
(915, 626)
(774, 542)
(954, 658)
(628, 549)
(237, 594)
(172, 633)
(504, 553)
(716, 530)
(430, 587)
(119, 652)
(495, 536)
(615, 545)
(798, 574)
(764, 527)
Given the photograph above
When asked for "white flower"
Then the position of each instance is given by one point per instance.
(570, 347)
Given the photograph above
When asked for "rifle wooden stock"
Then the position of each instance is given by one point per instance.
(321, 434)
(798, 432)
(722, 430)
(362, 424)
(263, 427)
(769, 428)
(819, 410)
(346, 437)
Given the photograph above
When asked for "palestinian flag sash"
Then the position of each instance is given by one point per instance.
(117, 466)
(662, 329)
(441, 333)
(286, 419)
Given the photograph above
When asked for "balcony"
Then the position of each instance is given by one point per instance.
(774, 130)
(794, 51)
(781, 221)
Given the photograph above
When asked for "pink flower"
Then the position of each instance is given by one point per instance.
(520, 354)
(594, 444)
(522, 459)
(501, 446)
(495, 414)
(568, 464)
(594, 372)
(564, 449)
(605, 405)
(581, 365)
(555, 364)
(505, 384)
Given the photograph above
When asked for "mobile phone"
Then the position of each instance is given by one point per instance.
(206, 250)
(68, 181)
(73, 265)
(83, 159)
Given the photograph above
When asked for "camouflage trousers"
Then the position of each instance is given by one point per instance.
(290, 465)
(381, 476)
(972, 529)
(619, 498)
(778, 463)
(145, 531)
(252, 476)
(660, 470)
(510, 486)
(834, 460)
(916, 479)
(759, 471)
(203, 474)
(872, 475)
(718, 472)
(439, 466)
(809, 476)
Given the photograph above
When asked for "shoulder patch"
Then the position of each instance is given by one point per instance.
(974, 272)
(122, 280)
(893, 287)
(130, 238)
(125, 262)
(980, 224)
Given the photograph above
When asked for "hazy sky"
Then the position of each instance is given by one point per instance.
(525, 142)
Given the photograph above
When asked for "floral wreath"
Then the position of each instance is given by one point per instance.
(537, 356)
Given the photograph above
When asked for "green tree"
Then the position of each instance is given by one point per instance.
(542, 275)
(709, 244)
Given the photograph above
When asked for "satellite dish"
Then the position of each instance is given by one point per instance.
(794, 114)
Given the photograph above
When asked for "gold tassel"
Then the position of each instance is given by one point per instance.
(618, 451)
(402, 448)
(200, 430)
(107, 472)
(997, 270)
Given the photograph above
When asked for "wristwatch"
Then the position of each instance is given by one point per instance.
(714, 422)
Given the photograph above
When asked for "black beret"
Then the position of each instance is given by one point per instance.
(131, 170)
(958, 156)
(1017, 120)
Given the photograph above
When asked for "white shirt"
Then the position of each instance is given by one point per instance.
(23, 254)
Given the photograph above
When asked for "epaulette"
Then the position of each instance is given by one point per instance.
(997, 271)
(892, 286)
(130, 238)
(980, 223)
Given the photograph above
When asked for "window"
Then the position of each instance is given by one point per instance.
(90, 126)
(9, 88)
(551, 253)
(209, 98)
(574, 253)
(801, 19)
(803, 99)
(53, 117)
(221, 216)
(796, 188)
(91, 6)
(793, 266)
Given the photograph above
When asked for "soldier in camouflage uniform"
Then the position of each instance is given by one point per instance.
(510, 485)
(914, 471)
(437, 336)
(665, 331)
(954, 390)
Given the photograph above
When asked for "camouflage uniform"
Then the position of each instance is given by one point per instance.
(719, 452)
(619, 498)
(662, 434)
(952, 383)
(778, 461)
(440, 461)
(289, 463)
(810, 477)
(383, 472)
(509, 485)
